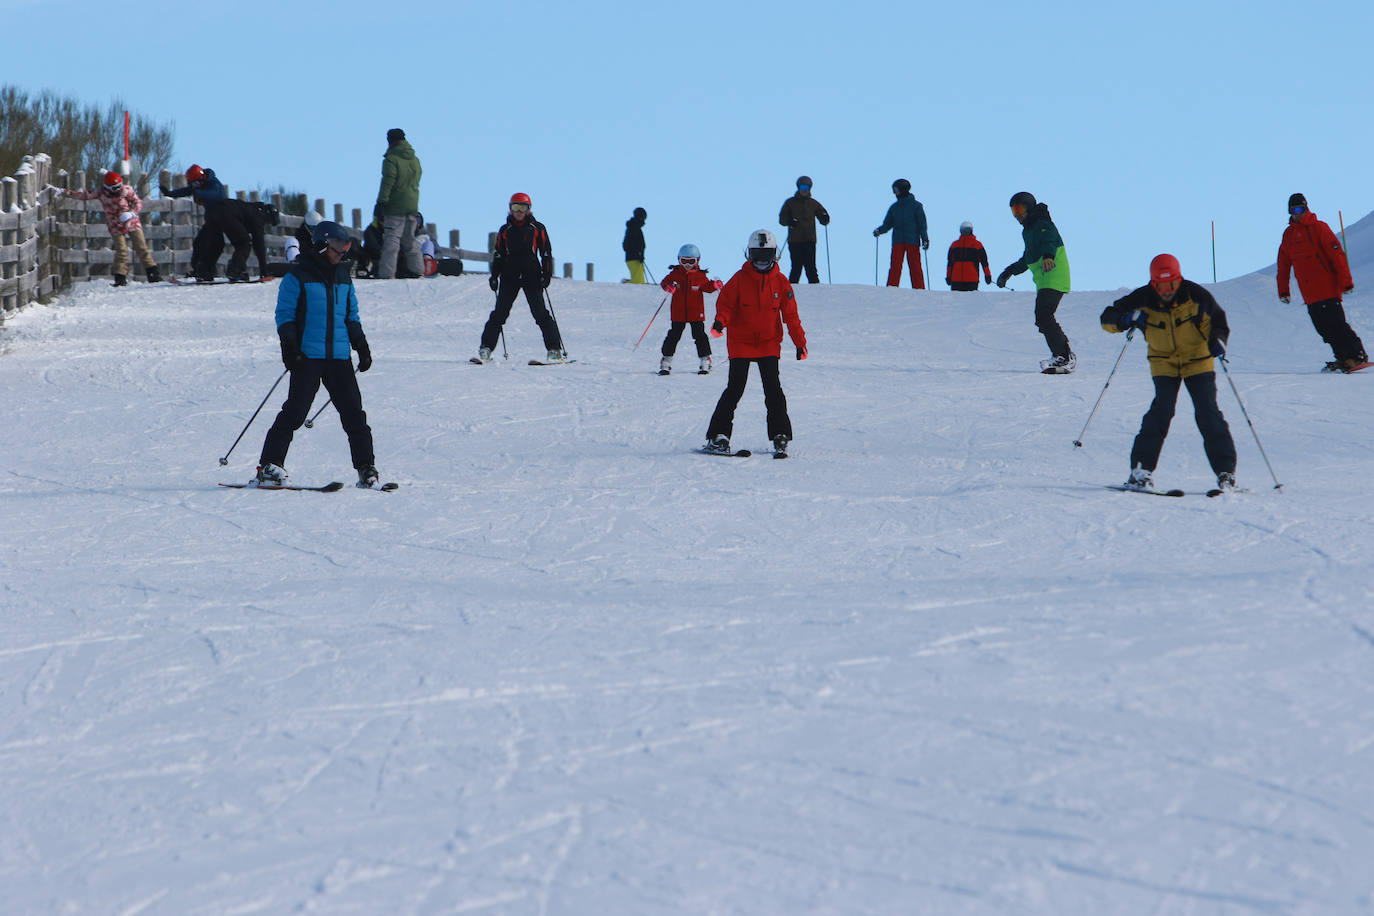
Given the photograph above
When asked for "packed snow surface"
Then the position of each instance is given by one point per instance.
(927, 665)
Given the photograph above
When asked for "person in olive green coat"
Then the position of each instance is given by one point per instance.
(398, 202)
(1048, 263)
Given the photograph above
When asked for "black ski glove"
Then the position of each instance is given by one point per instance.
(291, 356)
(823, 218)
(493, 281)
(1217, 347)
(1002, 279)
(358, 342)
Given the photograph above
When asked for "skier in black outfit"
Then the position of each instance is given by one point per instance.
(633, 244)
(210, 193)
(244, 222)
(523, 260)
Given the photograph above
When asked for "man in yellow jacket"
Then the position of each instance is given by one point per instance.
(1185, 330)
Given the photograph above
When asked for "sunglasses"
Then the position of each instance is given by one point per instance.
(519, 208)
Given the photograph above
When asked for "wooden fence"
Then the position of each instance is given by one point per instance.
(48, 241)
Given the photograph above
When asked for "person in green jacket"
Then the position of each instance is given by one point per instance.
(1048, 263)
(398, 202)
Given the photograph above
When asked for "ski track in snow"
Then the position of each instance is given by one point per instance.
(928, 665)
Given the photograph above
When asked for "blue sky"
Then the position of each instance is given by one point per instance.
(1138, 126)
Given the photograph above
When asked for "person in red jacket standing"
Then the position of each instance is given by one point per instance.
(966, 255)
(1310, 249)
(688, 284)
(753, 307)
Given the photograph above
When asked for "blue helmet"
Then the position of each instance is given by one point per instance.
(326, 231)
(689, 251)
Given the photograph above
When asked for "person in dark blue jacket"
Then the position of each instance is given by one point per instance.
(317, 324)
(210, 193)
(907, 220)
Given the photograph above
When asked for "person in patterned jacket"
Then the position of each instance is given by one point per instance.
(122, 206)
(966, 255)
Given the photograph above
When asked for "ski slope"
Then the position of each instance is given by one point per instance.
(927, 665)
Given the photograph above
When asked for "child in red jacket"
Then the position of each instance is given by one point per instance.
(688, 283)
(753, 307)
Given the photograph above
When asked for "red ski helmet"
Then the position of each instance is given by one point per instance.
(1165, 268)
(521, 197)
(114, 183)
(195, 173)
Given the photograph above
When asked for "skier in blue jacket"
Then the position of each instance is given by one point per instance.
(907, 220)
(317, 324)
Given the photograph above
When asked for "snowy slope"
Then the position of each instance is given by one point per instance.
(929, 665)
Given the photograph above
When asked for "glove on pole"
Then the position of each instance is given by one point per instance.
(225, 460)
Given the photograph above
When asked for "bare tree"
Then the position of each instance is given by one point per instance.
(77, 135)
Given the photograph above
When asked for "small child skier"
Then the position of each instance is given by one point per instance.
(122, 207)
(753, 307)
(687, 284)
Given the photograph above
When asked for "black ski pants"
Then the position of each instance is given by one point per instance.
(338, 379)
(1046, 304)
(1154, 426)
(226, 219)
(803, 257)
(698, 334)
(510, 287)
(1328, 317)
(774, 401)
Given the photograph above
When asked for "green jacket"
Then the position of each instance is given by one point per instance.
(1042, 241)
(399, 194)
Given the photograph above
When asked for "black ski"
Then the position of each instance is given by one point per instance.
(218, 281)
(331, 487)
(562, 362)
(381, 487)
(477, 362)
(742, 453)
(1124, 489)
(1218, 491)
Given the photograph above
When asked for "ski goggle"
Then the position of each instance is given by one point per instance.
(1018, 211)
(687, 262)
(340, 245)
(1297, 209)
(114, 188)
(519, 208)
(1166, 287)
(803, 187)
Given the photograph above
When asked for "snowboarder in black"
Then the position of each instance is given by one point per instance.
(523, 260)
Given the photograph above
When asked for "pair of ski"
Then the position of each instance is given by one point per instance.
(218, 281)
(534, 362)
(1215, 491)
(331, 487)
(742, 453)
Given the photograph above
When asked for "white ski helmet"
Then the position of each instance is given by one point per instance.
(689, 251)
(966, 228)
(762, 249)
(313, 219)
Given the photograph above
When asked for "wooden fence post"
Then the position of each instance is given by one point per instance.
(590, 271)
(9, 195)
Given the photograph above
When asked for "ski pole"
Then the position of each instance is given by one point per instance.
(875, 260)
(1246, 414)
(562, 347)
(225, 460)
(827, 254)
(310, 424)
(505, 354)
(925, 252)
(649, 272)
(649, 325)
(1130, 335)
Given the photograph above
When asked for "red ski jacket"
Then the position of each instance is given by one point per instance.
(688, 303)
(753, 307)
(1310, 250)
(966, 255)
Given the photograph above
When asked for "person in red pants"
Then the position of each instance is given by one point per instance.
(907, 220)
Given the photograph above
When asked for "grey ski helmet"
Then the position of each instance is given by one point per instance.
(966, 228)
(689, 251)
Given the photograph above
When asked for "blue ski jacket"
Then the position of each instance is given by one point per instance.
(907, 220)
(318, 300)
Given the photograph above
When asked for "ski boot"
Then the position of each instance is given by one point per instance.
(779, 446)
(704, 368)
(1140, 479)
(270, 475)
(665, 365)
(367, 477)
(153, 274)
(720, 445)
(121, 280)
(1059, 365)
(557, 356)
(1226, 482)
(484, 354)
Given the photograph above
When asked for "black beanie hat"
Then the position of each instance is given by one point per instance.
(394, 136)
(1296, 200)
(640, 213)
